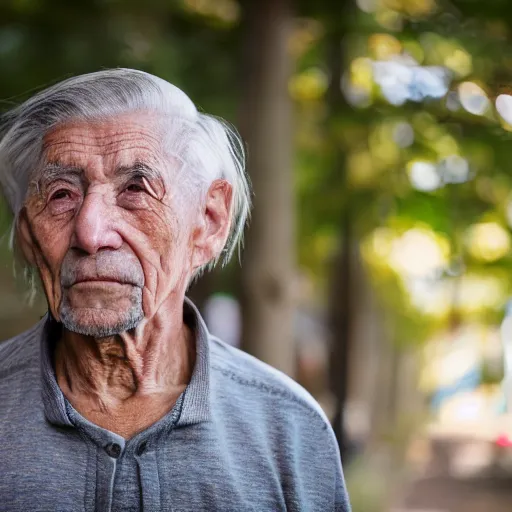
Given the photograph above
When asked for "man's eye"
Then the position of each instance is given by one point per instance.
(134, 187)
(60, 194)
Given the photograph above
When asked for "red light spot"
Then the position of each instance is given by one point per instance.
(504, 440)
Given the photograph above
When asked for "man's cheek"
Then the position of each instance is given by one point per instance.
(48, 255)
(50, 283)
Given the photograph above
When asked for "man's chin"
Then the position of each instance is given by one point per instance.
(99, 323)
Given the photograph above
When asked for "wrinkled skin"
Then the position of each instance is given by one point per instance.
(115, 251)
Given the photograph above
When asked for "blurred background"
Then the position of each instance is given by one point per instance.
(377, 268)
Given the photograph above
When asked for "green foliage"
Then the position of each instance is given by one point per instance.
(42, 41)
(473, 40)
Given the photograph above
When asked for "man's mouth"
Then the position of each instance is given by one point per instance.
(99, 280)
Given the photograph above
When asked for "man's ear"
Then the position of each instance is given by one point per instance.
(24, 238)
(210, 237)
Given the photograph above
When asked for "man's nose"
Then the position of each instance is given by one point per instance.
(94, 226)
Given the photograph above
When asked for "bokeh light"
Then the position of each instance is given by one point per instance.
(418, 253)
(402, 80)
(310, 85)
(473, 98)
(424, 176)
(488, 241)
(454, 169)
(504, 107)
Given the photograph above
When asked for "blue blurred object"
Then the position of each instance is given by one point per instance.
(401, 82)
(468, 382)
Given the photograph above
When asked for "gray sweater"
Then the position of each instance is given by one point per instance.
(241, 437)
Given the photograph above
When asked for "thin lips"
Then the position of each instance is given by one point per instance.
(95, 279)
(99, 279)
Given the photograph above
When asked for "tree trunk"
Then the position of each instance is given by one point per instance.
(268, 266)
(341, 327)
(341, 303)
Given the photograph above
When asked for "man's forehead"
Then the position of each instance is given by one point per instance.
(123, 133)
(123, 143)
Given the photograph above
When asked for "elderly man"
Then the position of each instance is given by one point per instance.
(119, 399)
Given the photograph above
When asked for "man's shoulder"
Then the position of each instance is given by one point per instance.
(21, 351)
(254, 377)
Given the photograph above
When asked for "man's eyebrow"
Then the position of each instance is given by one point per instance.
(138, 169)
(53, 171)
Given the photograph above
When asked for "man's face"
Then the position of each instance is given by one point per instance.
(108, 231)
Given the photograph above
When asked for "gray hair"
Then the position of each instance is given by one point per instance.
(209, 146)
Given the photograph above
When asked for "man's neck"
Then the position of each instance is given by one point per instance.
(120, 378)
